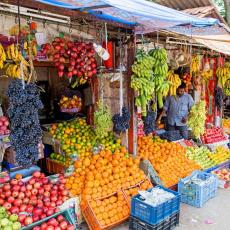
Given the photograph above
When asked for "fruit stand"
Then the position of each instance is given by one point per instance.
(80, 144)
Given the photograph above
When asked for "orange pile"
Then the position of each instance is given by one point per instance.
(111, 209)
(133, 191)
(103, 174)
(168, 159)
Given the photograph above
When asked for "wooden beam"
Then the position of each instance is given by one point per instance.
(130, 97)
(63, 11)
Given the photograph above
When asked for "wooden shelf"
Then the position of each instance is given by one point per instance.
(44, 64)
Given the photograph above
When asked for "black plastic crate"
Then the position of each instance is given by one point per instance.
(169, 223)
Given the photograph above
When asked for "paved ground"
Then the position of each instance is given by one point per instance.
(215, 215)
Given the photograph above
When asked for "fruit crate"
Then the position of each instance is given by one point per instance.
(154, 215)
(54, 166)
(138, 186)
(196, 194)
(91, 219)
(150, 172)
(66, 213)
(167, 224)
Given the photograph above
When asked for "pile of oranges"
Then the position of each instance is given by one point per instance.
(133, 191)
(111, 209)
(168, 159)
(103, 174)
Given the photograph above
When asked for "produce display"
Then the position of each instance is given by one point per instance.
(160, 71)
(207, 75)
(226, 124)
(72, 58)
(76, 137)
(26, 133)
(196, 119)
(223, 75)
(70, 103)
(102, 120)
(187, 79)
(110, 210)
(219, 97)
(227, 88)
(58, 223)
(213, 135)
(14, 70)
(8, 221)
(175, 82)
(220, 155)
(173, 135)
(149, 122)
(222, 174)
(195, 65)
(201, 156)
(103, 174)
(142, 79)
(33, 200)
(2, 56)
(4, 125)
(168, 159)
(61, 159)
(121, 122)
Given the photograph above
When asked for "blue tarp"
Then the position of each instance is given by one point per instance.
(144, 15)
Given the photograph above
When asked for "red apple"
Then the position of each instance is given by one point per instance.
(63, 224)
(15, 194)
(28, 220)
(10, 199)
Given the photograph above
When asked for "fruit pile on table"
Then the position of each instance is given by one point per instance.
(66, 161)
(168, 159)
(67, 103)
(38, 197)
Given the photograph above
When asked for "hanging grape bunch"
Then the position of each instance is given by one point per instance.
(121, 122)
(149, 122)
(26, 132)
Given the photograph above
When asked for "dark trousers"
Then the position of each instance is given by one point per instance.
(182, 129)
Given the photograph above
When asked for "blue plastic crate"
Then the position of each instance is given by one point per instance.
(197, 194)
(154, 215)
(167, 224)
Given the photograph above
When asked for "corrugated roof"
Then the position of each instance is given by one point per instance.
(184, 4)
(200, 12)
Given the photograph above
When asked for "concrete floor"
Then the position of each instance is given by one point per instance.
(215, 215)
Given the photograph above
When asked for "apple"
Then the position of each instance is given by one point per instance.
(32, 181)
(53, 222)
(28, 193)
(16, 188)
(10, 199)
(21, 218)
(50, 227)
(63, 224)
(15, 194)
(36, 218)
(41, 191)
(29, 187)
(23, 207)
(44, 226)
(17, 202)
(7, 205)
(7, 193)
(6, 187)
(37, 185)
(21, 195)
(26, 200)
(14, 210)
(13, 182)
(1, 201)
(28, 220)
(34, 191)
(29, 209)
(23, 188)
(43, 215)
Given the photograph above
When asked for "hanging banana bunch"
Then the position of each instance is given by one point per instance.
(195, 65)
(223, 74)
(33, 48)
(207, 75)
(14, 71)
(175, 82)
(162, 91)
(227, 88)
(2, 56)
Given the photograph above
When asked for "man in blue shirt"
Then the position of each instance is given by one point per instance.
(177, 109)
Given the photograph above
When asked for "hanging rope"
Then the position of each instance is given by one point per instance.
(121, 78)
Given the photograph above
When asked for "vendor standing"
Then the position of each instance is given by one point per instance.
(177, 110)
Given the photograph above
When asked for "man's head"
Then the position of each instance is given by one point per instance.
(181, 89)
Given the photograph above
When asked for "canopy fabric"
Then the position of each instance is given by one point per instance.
(219, 46)
(144, 15)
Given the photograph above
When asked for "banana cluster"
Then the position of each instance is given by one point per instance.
(175, 82)
(223, 74)
(142, 80)
(227, 88)
(30, 48)
(195, 65)
(227, 64)
(207, 75)
(2, 56)
(13, 53)
(14, 71)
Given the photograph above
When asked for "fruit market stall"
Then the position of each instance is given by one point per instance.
(74, 84)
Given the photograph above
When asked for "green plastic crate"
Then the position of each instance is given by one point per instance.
(66, 213)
